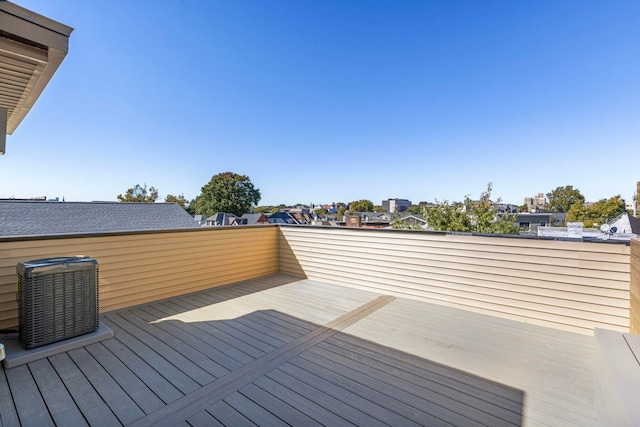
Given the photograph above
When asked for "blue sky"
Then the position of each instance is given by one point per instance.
(328, 101)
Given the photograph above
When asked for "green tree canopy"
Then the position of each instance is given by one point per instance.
(476, 218)
(177, 199)
(361, 206)
(598, 213)
(562, 198)
(227, 192)
(139, 194)
(416, 209)
(447, 217)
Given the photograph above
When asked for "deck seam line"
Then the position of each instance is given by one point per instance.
(215, 391)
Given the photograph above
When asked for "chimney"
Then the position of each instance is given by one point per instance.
(353, 221)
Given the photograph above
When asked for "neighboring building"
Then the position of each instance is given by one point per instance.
(200, 219)
(411, 220)
(625, 224)
(624, 227)
(281, 218)
(252, 219)
(530, 222)
(365, 220)
(505, 208)
(220, 219)
(27, 218)
(396, 205)
(536, 204)
(292, 216)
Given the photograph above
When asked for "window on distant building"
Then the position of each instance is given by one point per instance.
(524, 225)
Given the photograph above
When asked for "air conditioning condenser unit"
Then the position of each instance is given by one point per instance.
(57, 299)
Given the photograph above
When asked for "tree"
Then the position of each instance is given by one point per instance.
(447, 217)
(177, 199)
(361, 206)
(415, 209)
(562, 198)
(598, 213)
(379, 209)
(139, 194)
(321, 211)
(478, 217)
(341, 211)
(227, 192)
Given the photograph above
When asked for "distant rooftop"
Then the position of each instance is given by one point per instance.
(31, 218)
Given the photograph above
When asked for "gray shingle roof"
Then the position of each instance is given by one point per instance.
(28, 218)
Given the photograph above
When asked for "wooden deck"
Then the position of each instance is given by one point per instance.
(284, 351)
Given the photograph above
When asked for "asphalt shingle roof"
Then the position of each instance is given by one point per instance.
(29, 218)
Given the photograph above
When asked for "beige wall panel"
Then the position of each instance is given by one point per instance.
(483, 284)
(569, 285)
(143, 267)
(635, 286)
(456, 271)
(511, 258)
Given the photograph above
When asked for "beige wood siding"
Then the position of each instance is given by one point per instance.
(635, 286)
(573, 286)
(143, 267)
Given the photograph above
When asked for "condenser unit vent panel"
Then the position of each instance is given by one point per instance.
(57, 299)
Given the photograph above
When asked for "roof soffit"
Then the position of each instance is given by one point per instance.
(32, 48)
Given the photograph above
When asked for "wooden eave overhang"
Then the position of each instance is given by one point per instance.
(32, 48)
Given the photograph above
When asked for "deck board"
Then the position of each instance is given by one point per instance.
(183, 335)
(155, 359)
(254, 412)
(222, 341)
(89, 402)
(165, 344)
(134, 386)
(492, 408)
(281, 351)
(120, 403)
(8, 414)
(347, 413)
(30, 406)
(59, 402)
(228, 416)
(157, 383)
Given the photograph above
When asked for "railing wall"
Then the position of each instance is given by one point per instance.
(147, 266)
(573, 286)
(568, 285)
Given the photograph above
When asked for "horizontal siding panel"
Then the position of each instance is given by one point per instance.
(534, 247)
(508, 260)
(635, 286)
(425, 278)
(155, 293)
(571, 285)
(116, 245)
(473, 295)
(580, 325)
(404, 265)
(143, 267)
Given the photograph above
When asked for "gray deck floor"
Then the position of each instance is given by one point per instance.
(283, 351)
